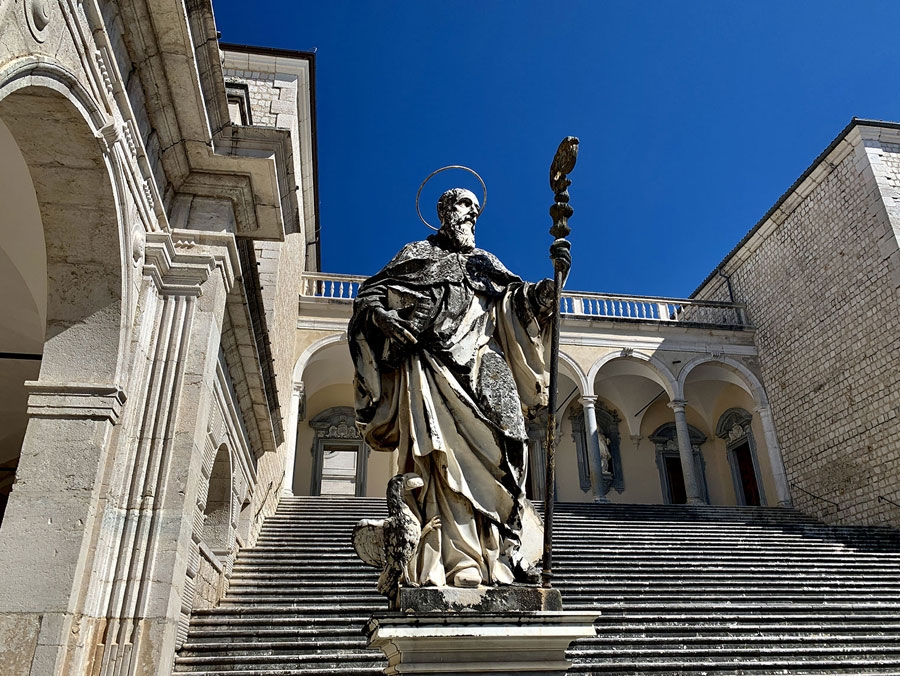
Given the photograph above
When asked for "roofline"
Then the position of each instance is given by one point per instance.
(854, 122)
(310, 58)
(268, 51)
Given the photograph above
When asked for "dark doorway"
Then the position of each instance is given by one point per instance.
(675, 480)
(747, 474)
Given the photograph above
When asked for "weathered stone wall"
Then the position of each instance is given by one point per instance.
(822, 290)
(264, 95)
(210, 580)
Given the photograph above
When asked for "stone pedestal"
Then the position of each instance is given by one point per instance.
(518, 630)
(512, 599)
(487, 644)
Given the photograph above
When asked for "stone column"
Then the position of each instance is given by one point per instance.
(686, 452)
(290, 446)
(782, 487)
(595, 459)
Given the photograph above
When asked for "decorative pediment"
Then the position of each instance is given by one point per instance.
(733, 425)
(338, 422)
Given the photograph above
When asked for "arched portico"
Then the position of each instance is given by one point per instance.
(66, 249)
(724, 369)
(299, 392)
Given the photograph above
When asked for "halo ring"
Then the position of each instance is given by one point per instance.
(438, 171)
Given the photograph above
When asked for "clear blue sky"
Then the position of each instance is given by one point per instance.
(694, 117)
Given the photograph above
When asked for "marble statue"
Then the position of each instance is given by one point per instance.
(449, 351)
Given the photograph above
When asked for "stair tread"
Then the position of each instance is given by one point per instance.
(684, 590)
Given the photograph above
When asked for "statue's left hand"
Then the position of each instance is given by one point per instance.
(561, 255)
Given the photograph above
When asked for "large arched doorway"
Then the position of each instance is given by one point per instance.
(60, 259)
(67, 261)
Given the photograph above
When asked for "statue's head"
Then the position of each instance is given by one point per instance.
(458, 210)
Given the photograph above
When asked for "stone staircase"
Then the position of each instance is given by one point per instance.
(680, 591)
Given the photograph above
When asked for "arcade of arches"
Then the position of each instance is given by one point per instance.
(670, 422)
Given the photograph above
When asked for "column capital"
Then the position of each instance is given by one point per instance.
(180, 262)
(677, 405)
(588, 400)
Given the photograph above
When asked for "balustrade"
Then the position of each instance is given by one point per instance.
(603, 306)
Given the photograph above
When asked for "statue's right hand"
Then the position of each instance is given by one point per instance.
(393, 326)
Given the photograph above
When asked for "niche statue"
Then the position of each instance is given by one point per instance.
(449, 351)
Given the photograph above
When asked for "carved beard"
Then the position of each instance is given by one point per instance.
(460, 232)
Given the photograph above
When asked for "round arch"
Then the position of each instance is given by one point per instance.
(657, 370)
(297, 401)
(62, 244)
(573, 370)
(54, 122)
(749, 382)
(307, 355)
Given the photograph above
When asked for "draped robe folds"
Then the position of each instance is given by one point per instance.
(453, 403)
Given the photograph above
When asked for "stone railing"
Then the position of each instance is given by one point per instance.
(331, 287)
(651, 309)
(575, 304)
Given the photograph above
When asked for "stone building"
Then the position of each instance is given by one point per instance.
(173, 361)
(158, 211)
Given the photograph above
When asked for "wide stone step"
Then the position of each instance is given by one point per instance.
(237, 648)
(335, 660)
(682, 590)
(793, 665)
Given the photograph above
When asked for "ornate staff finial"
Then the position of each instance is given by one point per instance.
(563, 163)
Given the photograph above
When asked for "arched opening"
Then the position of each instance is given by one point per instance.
(633, 393)
(217, 537)
(218, 530)
(739, 463)
(23, 303)
(60, 261)
(327, 464)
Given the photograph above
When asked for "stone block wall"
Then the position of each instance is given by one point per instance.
(210, 580)
(821, 277)
(272, 97)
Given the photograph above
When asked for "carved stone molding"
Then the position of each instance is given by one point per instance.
(733, 425)
(181, 266)
(237, 188)
(38, 15)
(75, 400)
(336, 423)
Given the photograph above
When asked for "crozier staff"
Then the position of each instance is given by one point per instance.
(448, 347)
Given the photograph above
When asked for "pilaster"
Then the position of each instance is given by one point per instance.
(188, 276)
(782, 486)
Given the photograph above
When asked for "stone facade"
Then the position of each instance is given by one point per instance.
(149, 446)
(820, 276)
(159, 389)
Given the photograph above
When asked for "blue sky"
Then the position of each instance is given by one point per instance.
(694, 117)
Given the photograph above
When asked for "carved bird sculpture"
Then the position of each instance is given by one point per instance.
(563, 164)
(391, 543)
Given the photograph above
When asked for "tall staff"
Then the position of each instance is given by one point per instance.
(560, 212)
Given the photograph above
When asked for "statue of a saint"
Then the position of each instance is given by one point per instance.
(449, 351)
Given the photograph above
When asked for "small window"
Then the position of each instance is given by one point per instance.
(238, 96)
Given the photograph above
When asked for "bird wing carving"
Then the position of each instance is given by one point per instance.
(368, 541)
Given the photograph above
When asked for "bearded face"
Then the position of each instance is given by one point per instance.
(458, 210)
